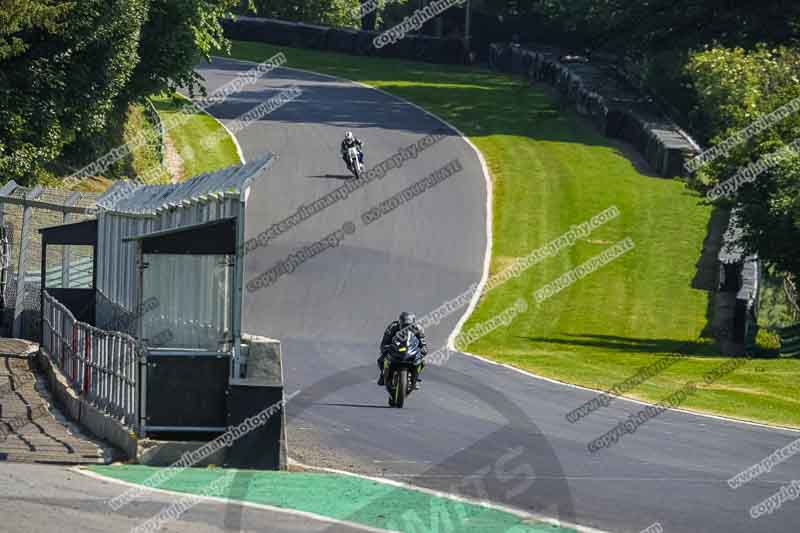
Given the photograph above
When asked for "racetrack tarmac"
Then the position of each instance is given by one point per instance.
(475, 428)
(44, 498)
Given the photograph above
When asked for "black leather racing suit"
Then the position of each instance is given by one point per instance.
(389, 334)
(346, 146)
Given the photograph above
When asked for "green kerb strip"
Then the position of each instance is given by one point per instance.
(342, 497)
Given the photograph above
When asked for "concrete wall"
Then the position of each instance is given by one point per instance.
(264, 359)
(166, 453)
(95, 421)
(264, 368)
(265, 364)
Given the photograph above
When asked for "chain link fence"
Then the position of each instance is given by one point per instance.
(45, 210)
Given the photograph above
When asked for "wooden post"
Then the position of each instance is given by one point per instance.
(24, 242)
(65, 259)
(467, 25)
(6, 190)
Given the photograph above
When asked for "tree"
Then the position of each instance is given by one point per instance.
(176, 35)
(69, 70)
(644, 27)
(17, 16)
(59, 78)
(343, 13)
(735, 88)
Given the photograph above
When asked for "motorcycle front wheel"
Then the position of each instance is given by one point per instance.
(401, 388)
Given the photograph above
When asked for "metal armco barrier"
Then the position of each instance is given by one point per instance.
(100, 365)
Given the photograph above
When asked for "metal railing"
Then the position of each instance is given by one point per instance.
(80, 275)
(100, 365)
(155, 118)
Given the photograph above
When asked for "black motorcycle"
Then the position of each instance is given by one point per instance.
(401, 366)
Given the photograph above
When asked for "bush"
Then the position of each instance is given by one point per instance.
(735, 88)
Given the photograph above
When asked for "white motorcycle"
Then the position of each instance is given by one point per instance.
(353, 162)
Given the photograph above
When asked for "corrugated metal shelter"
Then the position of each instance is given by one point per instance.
(740, 274)
(155, 336)
(23, 212)
(130, 217)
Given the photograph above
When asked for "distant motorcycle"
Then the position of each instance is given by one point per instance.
(354, 163)
(401, 367)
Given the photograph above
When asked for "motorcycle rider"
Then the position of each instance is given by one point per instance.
(348, 142)
(409, 321)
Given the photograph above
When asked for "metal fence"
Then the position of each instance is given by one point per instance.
(155, 118)
(78, 277)
(24, 211)
(100, 365)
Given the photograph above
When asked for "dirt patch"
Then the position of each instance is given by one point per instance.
(173, 160)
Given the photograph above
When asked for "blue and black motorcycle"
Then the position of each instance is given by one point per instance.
(401, 367)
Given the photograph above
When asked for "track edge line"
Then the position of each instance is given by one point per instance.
(519, 513)
(627, 399)
(261, 506)
(487, 259)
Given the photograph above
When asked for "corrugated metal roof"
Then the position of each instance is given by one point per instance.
(57, 196)
(127, 197)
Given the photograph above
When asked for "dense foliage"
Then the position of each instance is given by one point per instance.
(719, 65)
(68, 71)
(329, 12)
(370, 15)
(649, 26)
(735, 88)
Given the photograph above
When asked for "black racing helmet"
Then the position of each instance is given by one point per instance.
(407, 319)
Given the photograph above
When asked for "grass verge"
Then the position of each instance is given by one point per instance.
(550, 169)
(195, 156)
(186, 153)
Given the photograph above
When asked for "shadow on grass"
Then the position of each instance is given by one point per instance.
(651, 346)
(634, 345)
(707, 266)
(481, 103)
(167, 103)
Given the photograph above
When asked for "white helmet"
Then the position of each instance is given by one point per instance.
(348, 135)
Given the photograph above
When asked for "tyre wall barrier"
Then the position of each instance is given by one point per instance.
(343, 40)
(599, 92)
(310, 36)
(264, 30)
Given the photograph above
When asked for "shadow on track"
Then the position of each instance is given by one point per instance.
(352, 405)
(528, 476)
(333, 176)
